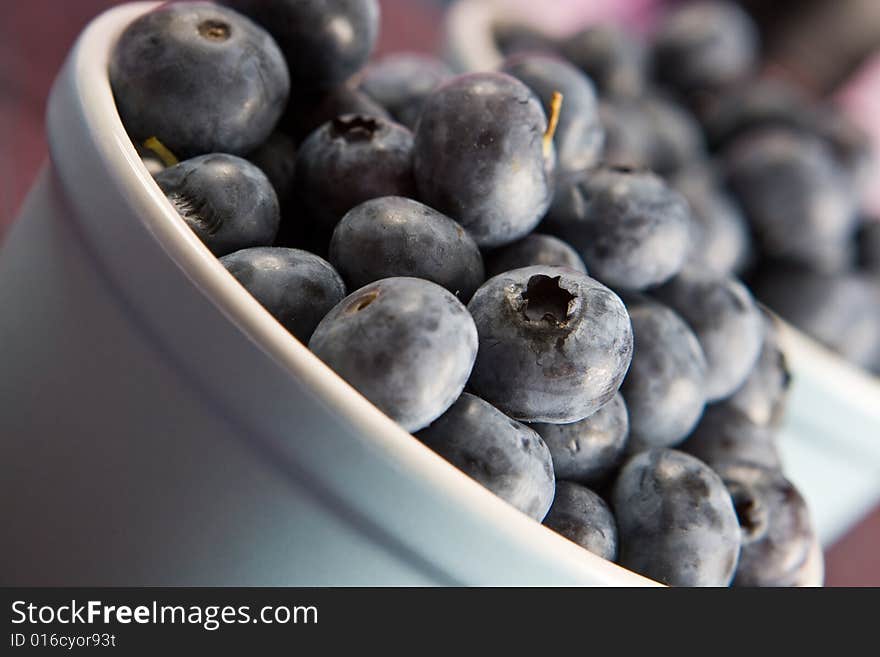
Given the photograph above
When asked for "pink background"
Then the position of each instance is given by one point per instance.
(36, 34)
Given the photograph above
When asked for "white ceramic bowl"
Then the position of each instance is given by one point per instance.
(158, 427)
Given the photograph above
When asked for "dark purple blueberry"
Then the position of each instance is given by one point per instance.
(726, 321)
(588, 451)
(513, 37)
(396, 236)
(554, 344)
(631, 229)
(308, 112)
(707, 44)
(352, 159)
(675, 138)
(664, 389)
(298, 288)
(799, 203)
(721, 239)
(401, 82)
(868, 240)
(480, 156)
(841, 311)
(584, 518)
(612, 58)
(762, 398)
(406, 344)
(227, 201)
(726, 434)
(505, 456)
(675, 519)
(777, 534)
(579, 134)
(199, 77)
(323, 41)
(628, 134)
(276, 157)
(534, 249)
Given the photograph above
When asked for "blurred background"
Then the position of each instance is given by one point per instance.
(829, 48)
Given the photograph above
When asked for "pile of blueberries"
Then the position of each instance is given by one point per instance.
(535, 269)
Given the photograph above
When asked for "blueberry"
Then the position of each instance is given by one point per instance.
(406, 344)
(628, 133)
(579, 134)
(308, 112)
(763, 396)
(152, 162)
(777, 534)
(298, 288)
(797, 199)
(631, 229)
(664, 389)
(276, 157)
(612, 57)
(554, 344)
(401, 82)
(588, 451)
(675, 139)
(324, 41)
(841, 311)
(702, 45)
(200, 78)
(352, 159)
(583, 517)
(726, 321)
(513, 37)
(480, 158)
(721, 239)
(227, 201)
(503, 455)
(868, 240)
(726, 434)
(676, 522)
(396, 236)
(534, 249)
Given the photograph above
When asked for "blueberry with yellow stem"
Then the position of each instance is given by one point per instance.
(227, 201)
(479, 157)
(577, 131)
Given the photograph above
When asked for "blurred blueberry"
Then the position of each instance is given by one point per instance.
(630, 227)
(777, 534)
(579, 134)
(612, 57)
(309, 111)
(726, 321)
(706, 44)
(726, 434)
(401, 82)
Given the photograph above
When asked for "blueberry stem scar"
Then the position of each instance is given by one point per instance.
(168, 158)
(555, 110)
